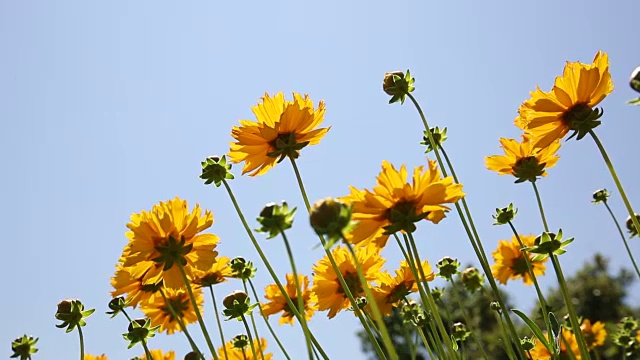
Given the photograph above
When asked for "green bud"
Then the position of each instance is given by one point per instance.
(437, 293)
(495, 306)
(242, 269)
(472, 279)
(601, 195)
(215, 170)
(398, 85)
(547, 244)
(71, 312)
(237, 304)
(527, 343)
(448, 267)
(23, 347)
(330, 217)
(459, 331)
(193, 356)
(439, 136)
(634, 81)
(275, 218)
(414, 314)
(505, 215)
(117, 305)
(630, 227)
(240, 342)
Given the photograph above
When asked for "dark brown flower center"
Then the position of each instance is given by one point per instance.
(519, 266)
(353, 283)
(180, 306)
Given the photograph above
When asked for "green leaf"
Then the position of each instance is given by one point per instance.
(634, 101)
(534, 328)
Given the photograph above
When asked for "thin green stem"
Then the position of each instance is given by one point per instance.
(253, 320)
(81, 342)
(347, 291)
(540, 207)
(624, 239)
(505, 337)
(215, 309)
(467, 319)
(246, 326)
(575, 323)
(177, 318)
(299, 298)
(266, 321)
(616, 180)
(144, 341)
(146, 350)
(252, 237)
(196, 309)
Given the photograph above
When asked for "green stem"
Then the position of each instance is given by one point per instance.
(466, 318)
(419, 329)
(470, 228)
(299, 298)
(266, 321)
(505, 336)
(540, 207)
(197, 311)
(575, 324)
(293, 308)
(146, 350)
(215, 309)
(623, 195)
(81, 342)
(541, 299)
(624, 239)
(347, 291)
(144, 341)
(253, 321)
(183, 327)
(246, 326)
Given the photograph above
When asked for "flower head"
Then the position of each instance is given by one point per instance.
(159, 355)
(594, 334)
(601, 195)
(549, 116)
(510, 261)
(243, 353)
(216, 274)
(160, 312)
(136, 292)
(278, 303)
(326, 286)
(395, 205)
(169, 235)
(95, 357)
(540, 352)
(392, 290)
(522, 160)
(282, 129)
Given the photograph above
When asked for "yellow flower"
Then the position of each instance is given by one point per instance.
(393, 290)
(167, 234)
(136, 292)
(282, 130)
(326, 286)
(218, 273)
(522, 160)
(594, 334)
(549, 116)
(243, 354)
(160, 314)
(540, 352)
(92, 357)
(277, 301)
(395, 205)
(510, 262)
(159, 355)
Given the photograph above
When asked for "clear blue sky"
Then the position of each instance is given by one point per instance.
(108, 107)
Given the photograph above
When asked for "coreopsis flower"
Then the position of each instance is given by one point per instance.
(96, 357)
(136, 292)
(169, 235)
(218, 273)
(510, 261)
(395, 205)
(277, 301)
(160, 355)
(569, 106)
(178, 299)
(282, 129)
(594, 334)
(523, 160)
(326, 286)
(234, 352)
(393, 289)
(540, 352)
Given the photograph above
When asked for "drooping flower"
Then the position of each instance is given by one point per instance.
(540, 352)
(594, 334)
(522, 160)
(326, 285)
(549, 116)
(169, 235)
(395, 205)
(392, 290)
(282, 129)
(278, 303)
(216, 274)
(243, 353)
(159, 355)
(510, 262)
(159, 311)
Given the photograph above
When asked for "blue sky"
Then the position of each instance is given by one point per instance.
(109, 107)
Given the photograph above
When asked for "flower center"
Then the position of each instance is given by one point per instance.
(398, 293)
(287, 309)
(353, 283)
(519, 266)
(286, 145)
(581, 119)
(402, 216)
(528, 169)
(180, 306)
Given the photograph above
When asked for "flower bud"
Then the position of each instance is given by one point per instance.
(240, 342)
(632, 229)
(398, 85)
(495, 306)
(330, 217)
(448, 267)
(237, 304)
(238, 295)
(242, 269)
(439, 136)
(275, 219)
(23, 347)
(193, 356)
(139, 331)
(437, 293)
(71, 312)
(116, 305)
(472, 279)
(634, 82)
(136, 323)
(414, 314)
(505, 215)
(527, 343)
(601, 195)
(215, 170)
(459, 331)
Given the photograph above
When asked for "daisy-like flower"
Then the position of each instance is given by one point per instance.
(522, 160)
(278, 303)
(169, 235)
(282, 129)
(594, 334)
(392, 290)
(540, 352)
(245, 353)
(510, 262)
(218, 273)
(394, 205)
(159, 355)
(160, 314)
(549, 116)
(136, 292)
(326, 286)
(95, 357)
